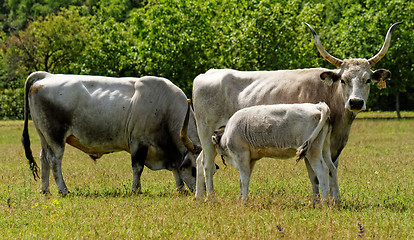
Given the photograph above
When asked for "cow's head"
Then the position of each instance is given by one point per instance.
(355, 75)
(194, 150)
(187, 170)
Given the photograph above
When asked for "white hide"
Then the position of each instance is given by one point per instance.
(279, 131)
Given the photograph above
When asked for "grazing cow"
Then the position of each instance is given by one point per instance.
(278, 131)
(100, 115)
(218, 94)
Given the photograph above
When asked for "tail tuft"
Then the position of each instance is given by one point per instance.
(302, 150)
(28, 152)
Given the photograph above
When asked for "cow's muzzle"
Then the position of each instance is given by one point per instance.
(356, 105)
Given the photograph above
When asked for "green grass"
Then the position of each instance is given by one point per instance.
(376, 179)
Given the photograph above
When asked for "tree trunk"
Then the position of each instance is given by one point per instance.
(397, 104)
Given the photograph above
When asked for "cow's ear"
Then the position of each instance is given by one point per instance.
(329, 77)
(381, 74)
(186, 162)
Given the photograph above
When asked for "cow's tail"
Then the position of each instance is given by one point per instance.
(303, 149)
(25, 136)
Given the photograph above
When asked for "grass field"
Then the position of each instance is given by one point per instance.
(376, 180)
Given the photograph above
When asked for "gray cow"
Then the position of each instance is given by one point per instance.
(100, 115)
(219, 93)
(278, 131)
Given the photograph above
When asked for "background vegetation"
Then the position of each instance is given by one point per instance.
(375, 179)
(179, 39)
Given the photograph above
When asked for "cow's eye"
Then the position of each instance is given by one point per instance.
(368, 81)
(342, 81)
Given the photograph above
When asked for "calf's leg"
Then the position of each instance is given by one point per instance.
(322, 173)
(314, 181)
(244, 167)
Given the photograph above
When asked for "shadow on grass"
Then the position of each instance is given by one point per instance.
(385, 118)
(346, 205)
(394, 206)
(126, 192)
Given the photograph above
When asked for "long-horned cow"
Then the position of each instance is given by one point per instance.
(219, 93)
(100, 115)
(279, 131)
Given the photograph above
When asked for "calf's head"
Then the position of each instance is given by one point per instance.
(216, 139)
(355, 75)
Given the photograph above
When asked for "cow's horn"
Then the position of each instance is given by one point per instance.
(183, 134)
(335, 61)
(385, 47)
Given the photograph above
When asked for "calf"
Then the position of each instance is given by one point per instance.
(279, 131)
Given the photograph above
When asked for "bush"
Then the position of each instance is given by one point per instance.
(12, 104)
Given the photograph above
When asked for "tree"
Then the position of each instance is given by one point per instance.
(173, 39)
(110, 51)
(267, 35)
(51, 44)
(366, 24)
(21, 12)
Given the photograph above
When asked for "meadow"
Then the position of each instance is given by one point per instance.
(376, 180)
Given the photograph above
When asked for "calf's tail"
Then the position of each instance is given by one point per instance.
(25, 136)
(303, 149)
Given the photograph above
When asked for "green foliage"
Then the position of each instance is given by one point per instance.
(11, 103)
(173, 39)
(182, 38)
(51, 44)
(116, 9)
(109, 51)
(20, 12)
(266, 35)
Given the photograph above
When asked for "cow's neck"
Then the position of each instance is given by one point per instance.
(342, 120)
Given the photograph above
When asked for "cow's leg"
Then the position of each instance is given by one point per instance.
(244, 167)
(200, 180)
(209, 168)
(314, 181)
(179, 184)
(333, 176)
(45, 165)
(138, 157)
(252, 163)
(334, 186)
(54, 153)
(45, 171)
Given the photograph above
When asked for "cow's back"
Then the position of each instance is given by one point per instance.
(92, 110)
(103, 114)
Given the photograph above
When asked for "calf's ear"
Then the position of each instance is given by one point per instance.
(381, 74)
(329, 77)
